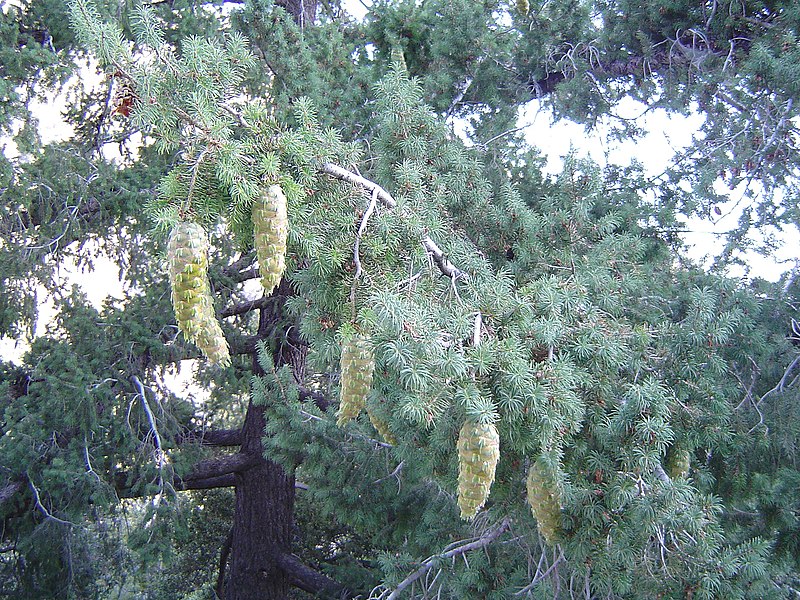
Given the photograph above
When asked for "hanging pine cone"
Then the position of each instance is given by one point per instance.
(381, 427)
(187, 252)
(544, 498)
(357, 364)
(478, 453)
(678, 461)
(270, 229)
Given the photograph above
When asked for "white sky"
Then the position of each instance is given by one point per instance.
(667, 134)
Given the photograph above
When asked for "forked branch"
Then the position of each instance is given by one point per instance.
(445, 266)
(483, 541)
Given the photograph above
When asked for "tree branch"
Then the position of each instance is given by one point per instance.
(641, 66)
(210, 483)
(486, 539)
(207, 474)
(220, 465)
(235, 268)
(244, 307)
(319, 399)
(212, 437)
(661, 474)
(246, 275)
(47, 514)
(445, 266)
(223, 563)
(345, 175)
(307, 579)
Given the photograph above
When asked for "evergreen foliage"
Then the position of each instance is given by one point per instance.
(446, 331)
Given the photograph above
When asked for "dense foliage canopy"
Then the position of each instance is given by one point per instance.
(447, 320)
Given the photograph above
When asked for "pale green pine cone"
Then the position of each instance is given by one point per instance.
(382, 427)
(678, 461)
(544, 498)
(357, 365)
(478, 453)
(270, 230)
(187, 253)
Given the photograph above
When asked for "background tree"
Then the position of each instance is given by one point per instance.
(645, 409)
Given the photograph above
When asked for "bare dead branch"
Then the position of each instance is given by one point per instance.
(345, 175)
(356, 245)
(661, 474)
(47, 514)
(160, 456)
(445, 266)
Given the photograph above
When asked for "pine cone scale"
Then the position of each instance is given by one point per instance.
(478, 454)
(357, 366)
(270, 231)
(187, 253)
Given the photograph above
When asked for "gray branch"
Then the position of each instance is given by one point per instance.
(483, 541)
(345, 175)
(444, 265)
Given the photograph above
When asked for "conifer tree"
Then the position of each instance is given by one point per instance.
(459, 377)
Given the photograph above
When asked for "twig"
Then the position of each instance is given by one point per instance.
(349, 176)
(38, 503)
(361, 228)
(748, 390)
(540, 576)
(476, 331)
(782, 383)
(311, 417)
(445, 266)
(193, 182)
(89, 469)
(394, 473)
(428, 563)
(356, 259)
(159, 453)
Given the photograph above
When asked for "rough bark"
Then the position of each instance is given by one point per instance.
(212, 437)
(307, 579)
(262, 522)
(264, 493)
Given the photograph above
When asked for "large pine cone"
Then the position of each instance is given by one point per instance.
(382, 427)
(187, 252)
(478, 453)
(358, 364)
(678, 461)
(270, 229)
(544, 498)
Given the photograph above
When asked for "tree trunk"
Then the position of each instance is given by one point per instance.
(263, 514)
(262, 522)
